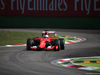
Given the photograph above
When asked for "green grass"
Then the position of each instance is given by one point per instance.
(66, 38)
(12, 37)
(88, 59)
(90, 64)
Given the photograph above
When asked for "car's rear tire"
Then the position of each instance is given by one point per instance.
(30, 43)
(62, 44)
(57, 43)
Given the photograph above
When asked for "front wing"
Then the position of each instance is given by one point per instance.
(48, 48)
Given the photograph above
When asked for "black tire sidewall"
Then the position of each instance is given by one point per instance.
(57, 43)
(30, 42)
(62, 44)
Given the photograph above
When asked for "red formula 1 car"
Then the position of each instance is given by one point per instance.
(45, 42)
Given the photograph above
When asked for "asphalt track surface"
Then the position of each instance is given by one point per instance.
(19, 61)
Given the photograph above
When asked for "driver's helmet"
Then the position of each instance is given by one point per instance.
(46, 35)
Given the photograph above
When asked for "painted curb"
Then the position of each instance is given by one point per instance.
(17, 45)
(68, 62)
(77, 40)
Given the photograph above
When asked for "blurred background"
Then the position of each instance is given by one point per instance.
(73, 14)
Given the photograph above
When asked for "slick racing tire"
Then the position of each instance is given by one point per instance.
(30, 43)
(47, 44)
(57, 43)
(62, 44)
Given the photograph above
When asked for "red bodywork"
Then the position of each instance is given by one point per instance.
(42, 42)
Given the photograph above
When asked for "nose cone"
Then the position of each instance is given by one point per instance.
(42, 45)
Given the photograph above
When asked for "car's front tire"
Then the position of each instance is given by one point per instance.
(30, 42)
(57, 43)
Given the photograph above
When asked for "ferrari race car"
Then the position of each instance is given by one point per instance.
(45, 42)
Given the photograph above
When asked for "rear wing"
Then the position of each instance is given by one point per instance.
(49, 32)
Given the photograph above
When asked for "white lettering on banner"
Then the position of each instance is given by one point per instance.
(87, 5)
(22, 5)
(82, 5)
(59, 4)
(3, 5)
(46, 5)
(76, 4)
(12, 4)
(95, 8)
(65, 5)
(52, 5)
(39, 5)
(29, 5)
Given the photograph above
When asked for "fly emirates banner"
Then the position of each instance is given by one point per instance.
(50, 8)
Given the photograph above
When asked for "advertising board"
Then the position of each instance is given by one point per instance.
(50, 8)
